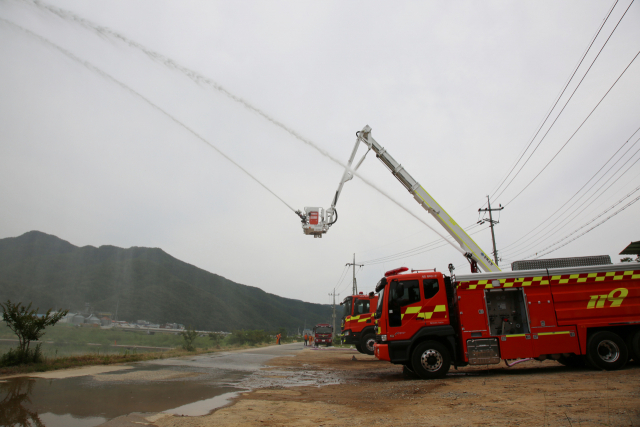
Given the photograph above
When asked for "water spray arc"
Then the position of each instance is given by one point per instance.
(107, 76)
(205, 81)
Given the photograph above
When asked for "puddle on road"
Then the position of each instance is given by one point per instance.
(171, 386)
(92, 400)
(203, 407)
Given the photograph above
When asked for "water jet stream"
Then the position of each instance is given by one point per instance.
(202, 80)
(139, 95)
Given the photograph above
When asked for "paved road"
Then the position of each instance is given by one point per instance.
(240, 360)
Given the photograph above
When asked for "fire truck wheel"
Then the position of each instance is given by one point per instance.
(606, 350)
(359, 348)
(367, 343)
(633, 343)
(431, 360)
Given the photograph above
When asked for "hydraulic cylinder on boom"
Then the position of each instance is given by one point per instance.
(316, 222)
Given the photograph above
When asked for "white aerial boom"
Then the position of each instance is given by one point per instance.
(316, 222)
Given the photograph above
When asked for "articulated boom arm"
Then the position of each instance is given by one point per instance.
(472, 251)
(314, 222)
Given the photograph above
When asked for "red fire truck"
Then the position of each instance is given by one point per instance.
(428, 321)
(358, 326)
(322, 334)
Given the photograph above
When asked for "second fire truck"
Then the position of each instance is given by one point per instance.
(358, 326)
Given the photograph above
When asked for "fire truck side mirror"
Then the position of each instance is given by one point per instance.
(376, 315)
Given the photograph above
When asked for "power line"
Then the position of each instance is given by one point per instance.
(563, 108)
(595, 226)
(470, 227)
(555, 104)
(576, 131)
(592, 196)
(520, 241)
(402, 255)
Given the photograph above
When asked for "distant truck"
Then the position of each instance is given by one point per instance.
(322, 334)
(358, 326)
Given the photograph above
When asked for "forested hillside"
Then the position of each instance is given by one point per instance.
(144, 283)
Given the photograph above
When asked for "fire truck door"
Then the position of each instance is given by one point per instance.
(404, 305)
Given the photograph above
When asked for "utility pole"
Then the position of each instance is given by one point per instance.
(355, 285)
(333, 294)
(491, 224)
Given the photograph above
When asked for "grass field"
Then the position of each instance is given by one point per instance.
(66, 346)
(65, 339)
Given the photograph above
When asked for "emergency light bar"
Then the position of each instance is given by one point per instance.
(396, 271)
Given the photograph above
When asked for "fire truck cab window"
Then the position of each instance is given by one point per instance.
(346, 307)
(401, 294)
(430, 287)
(361, 307)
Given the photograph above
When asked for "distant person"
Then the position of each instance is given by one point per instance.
(310, 339)
(278, 338)
(306, 338)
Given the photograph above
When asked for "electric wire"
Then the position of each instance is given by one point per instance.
(580, 209)
(584, 55)
(590, 222)
(581, 124)
(427, 248)
(356, 275)
(574, 133)
(344, 270)
(523, 240)
(470, 227)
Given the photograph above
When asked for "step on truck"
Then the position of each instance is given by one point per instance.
(428, 321)
(322, 334)
(357, 324)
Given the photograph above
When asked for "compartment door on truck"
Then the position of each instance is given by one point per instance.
(548, 338)
(508, 319)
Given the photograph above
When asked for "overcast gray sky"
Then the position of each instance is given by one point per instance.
(454, 90)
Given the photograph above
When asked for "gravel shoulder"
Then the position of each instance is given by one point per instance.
(370, 392)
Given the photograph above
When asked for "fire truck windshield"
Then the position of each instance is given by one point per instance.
(346, 310)
(323, 330)
(380, 299)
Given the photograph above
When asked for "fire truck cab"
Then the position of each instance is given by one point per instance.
(323, 334)
(358, 326)
(577, 315)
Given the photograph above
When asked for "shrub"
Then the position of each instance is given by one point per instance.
(189, 336)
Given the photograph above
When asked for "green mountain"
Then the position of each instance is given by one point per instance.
(144, 283)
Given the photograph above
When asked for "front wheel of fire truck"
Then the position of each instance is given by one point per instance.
(431, 360)
(359, 348)
(367, 343)
(606, 350)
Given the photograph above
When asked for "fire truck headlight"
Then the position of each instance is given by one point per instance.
(383, 337)
(346, 333)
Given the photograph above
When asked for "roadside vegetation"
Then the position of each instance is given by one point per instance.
(67, 346)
